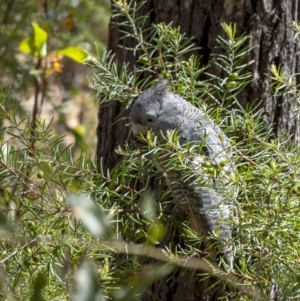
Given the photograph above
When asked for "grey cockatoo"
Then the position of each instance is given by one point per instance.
(198, 195)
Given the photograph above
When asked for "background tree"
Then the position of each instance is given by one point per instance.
(267, 22)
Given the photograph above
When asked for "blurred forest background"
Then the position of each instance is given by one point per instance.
(74, 228)
(66, 96)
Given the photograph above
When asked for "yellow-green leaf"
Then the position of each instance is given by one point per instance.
(75, 53)
(37, 43)
(40, 35)
(26, 46)
(156, 232)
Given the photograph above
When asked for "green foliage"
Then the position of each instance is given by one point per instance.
(67, 23)
(36, 45)
(94, 244)
(234, 63)
(285, 85)
(41, 46)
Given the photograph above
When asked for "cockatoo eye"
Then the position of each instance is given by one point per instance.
(149, 119)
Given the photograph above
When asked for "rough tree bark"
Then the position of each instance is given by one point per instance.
(267, 22)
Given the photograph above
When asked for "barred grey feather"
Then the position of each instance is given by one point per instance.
(161, 111)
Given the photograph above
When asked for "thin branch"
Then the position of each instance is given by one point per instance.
(17, 250)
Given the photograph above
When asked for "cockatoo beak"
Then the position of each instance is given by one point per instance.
(138, 129)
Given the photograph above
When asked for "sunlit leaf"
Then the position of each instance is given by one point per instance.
(37, 43)
(27, 46)
(75, 53)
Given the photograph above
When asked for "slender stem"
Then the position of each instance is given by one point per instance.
(7, 11)
(18, 250)
(36, 109)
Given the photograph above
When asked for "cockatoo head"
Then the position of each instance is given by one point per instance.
(155, 110)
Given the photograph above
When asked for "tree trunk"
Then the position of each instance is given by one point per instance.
(267, 22)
